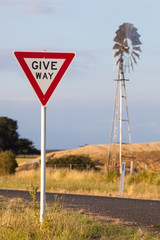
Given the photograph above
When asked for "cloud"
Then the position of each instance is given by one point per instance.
(30, 6)
(37, 6)
(20, 99)
(7, 61)
(88, 62)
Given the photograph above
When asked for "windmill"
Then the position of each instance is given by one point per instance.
(126, 52)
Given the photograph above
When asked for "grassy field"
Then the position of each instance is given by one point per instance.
(20, 220)
(24, 159)
(144, 185)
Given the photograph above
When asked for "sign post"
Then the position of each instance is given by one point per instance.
(44, 71)
(43, 162)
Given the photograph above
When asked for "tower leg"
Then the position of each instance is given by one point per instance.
(120, 117)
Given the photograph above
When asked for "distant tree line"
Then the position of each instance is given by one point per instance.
(10, 139)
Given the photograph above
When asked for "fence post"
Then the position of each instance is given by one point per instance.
(145, 167)
(70, 166)
(132, 167)
(105, 169)
(55, 167)
(87, 167)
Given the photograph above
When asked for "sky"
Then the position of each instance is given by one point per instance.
(80, 109)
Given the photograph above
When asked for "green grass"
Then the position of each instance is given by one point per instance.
(23, 159)
(20, 220)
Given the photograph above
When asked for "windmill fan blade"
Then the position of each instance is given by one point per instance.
(126, 65)
(134, 33)
(120, 41)
(128, 28)
(117, 53)
(118, 61)
(131, 63)
(136, 54)
(134, 30)
(134, 36)
(134, 59)
(137, 49)
(122, 31)
(128, 68)
(125, 43)
(121, 35)
(135, 39)
(121, 27)
(117, 46)
(138, 35)
(127, 47)
(136, 42)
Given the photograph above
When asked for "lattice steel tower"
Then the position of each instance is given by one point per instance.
(126, 52)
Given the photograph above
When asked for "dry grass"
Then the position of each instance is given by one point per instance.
(146, 154)
(144, 185)
(18, 221)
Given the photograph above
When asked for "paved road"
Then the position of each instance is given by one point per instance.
(141, 212)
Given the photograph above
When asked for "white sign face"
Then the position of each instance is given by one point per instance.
(44, 70)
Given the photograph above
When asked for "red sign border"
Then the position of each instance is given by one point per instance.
(44, 98)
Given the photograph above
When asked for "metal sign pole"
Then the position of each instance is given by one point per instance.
(120, 119)
(43, 162)
(122, 178)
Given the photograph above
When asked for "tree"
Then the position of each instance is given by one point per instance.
(26, 146)
(8, 134)
(9, 138)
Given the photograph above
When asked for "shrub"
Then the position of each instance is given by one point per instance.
(112, 176)
(142, 176)
(8, 162)
(78, 162)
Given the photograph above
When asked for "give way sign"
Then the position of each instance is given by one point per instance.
(44, 70)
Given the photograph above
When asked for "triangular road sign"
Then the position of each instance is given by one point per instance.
(44, 70)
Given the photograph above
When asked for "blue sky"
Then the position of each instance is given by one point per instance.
(80, 110)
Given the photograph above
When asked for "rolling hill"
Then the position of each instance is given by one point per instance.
(146, 155)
